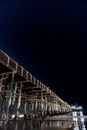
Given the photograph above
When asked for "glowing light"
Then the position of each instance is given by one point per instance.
(20, 116)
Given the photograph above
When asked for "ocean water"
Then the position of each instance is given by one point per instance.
(64, 124)
(51, 123)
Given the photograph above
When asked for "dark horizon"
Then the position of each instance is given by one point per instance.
(49, 39)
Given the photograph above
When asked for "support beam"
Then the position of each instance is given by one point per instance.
(19, 103)
(25, 109)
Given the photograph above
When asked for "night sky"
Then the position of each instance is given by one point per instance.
(49, 38)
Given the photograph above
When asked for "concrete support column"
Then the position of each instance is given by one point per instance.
(36, 109)
(29, 108)
(42, 106)
(64, 109)
(19, 103)
(9, 107)
(49, 108)
(32, 105)
(67, 109)
(11, 91)
(3, 108)
(42, 101)
(25, 109)
(55, 107)
(59, 109)
(45, 104)
(52, 106)
(1, 84)
(39, 106)
(14, 93)
(36, 105)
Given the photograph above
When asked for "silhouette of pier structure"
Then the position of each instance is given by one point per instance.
(20, 90)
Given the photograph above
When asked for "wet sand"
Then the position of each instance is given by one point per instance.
(50, 123)
(45, 125)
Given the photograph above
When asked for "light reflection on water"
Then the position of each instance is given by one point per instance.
(72, 123)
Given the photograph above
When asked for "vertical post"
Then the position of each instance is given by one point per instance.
(36, 108)
(52, 108)
(1, 84)
(59, 108)
(41, 101)
(36, 104)
(3, 88)
(32, 104)
(42, 105)
(29, 107)
(49, 107)
(10, 96)
(45, 111)
(19, 103)
(14, 93)
(25, 109)
(55, 106)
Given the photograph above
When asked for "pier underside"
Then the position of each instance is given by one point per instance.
(21, 92)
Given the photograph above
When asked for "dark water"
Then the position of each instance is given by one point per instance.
(76, 121)
(64, 124)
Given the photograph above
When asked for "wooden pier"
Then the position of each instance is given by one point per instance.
(19, 88)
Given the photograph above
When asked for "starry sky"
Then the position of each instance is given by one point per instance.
(49, 38)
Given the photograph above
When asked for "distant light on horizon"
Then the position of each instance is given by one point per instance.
(77, 107)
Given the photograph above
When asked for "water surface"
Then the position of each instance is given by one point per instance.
(63, 124)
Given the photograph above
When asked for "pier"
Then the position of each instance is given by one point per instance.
(22, 93)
